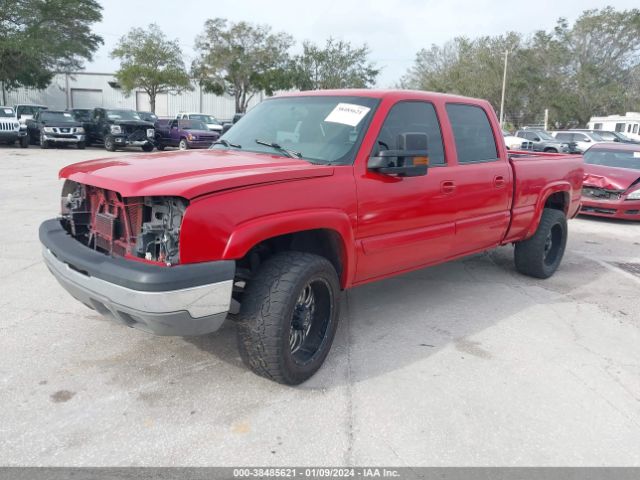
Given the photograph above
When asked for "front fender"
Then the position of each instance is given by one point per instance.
(254, 231)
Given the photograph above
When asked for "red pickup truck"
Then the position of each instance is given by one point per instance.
(306, 196)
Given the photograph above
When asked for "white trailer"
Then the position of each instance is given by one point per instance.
(627, 124)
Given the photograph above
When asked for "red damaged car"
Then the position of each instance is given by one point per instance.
(611, 185)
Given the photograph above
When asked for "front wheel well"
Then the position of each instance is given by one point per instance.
(326, 243)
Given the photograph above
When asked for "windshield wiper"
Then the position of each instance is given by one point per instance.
(226, 143)
(277, 146)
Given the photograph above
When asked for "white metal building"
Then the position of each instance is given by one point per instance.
(90, 90)
(628, 124)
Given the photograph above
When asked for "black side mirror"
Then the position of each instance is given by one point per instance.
(411, 159)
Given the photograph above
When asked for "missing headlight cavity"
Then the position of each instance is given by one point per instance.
(158, 240)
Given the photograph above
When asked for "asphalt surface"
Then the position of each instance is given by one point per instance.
(468, 363)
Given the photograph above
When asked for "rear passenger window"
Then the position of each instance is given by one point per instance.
(412, 117)
(472, 133)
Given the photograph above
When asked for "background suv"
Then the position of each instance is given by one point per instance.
(543, 141)
(583, 140)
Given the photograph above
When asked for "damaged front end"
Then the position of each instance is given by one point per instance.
(144, 228)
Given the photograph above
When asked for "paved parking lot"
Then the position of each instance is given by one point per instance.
(467, 363)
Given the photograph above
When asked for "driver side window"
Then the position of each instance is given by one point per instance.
(412, 117)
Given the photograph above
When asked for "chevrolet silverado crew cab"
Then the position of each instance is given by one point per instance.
(310, 194)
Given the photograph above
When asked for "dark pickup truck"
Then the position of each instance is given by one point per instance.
(55, 127)
(184, 134)
(120, 128)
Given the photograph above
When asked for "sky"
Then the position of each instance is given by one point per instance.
(394, 30)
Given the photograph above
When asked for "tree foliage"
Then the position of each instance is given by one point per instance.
(41, 37)
(241, 59)
(151, 62)
(589, 68)
(337, 65)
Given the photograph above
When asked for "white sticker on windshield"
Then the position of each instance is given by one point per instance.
(67, 114)
(8, 110)
(347, 114)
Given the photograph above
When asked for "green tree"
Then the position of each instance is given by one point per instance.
(41, 37)
(589, 68)
(602, 49)
(473, 67)
(241, 59)
(151, 62)
(337, 65)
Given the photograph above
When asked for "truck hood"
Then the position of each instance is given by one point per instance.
(62, 124)
(189, 174)
(133, 123)
(198, 132)
(610, 178)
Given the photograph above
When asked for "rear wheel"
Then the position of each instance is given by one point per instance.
(289, 316)
(110, 143)
(551, 150)
(540, 255)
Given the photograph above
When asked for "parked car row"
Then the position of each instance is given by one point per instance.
(111, 128)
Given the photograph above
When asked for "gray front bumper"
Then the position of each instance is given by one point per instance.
(152, 305)
(69, 139)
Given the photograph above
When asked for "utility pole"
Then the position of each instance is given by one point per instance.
(546, 119)
(504, 86)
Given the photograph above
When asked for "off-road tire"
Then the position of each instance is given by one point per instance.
(264, 320)
(147, 147)
(109, 143)
(533, 257)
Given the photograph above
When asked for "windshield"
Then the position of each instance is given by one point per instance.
(63, 117)
(545, 136)
(323, 129)
(82, 115)
(29, 109)
(192, 125)
(623, 137)
(613, 158)
(148, 116)
(122, 115)
(6, 112)
(608, 136)
(204, 118)
(596, 137)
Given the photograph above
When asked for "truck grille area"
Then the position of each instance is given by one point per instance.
(601, 193)
(8, 126)
(142, 227)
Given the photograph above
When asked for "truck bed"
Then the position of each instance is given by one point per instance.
(531, 185)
